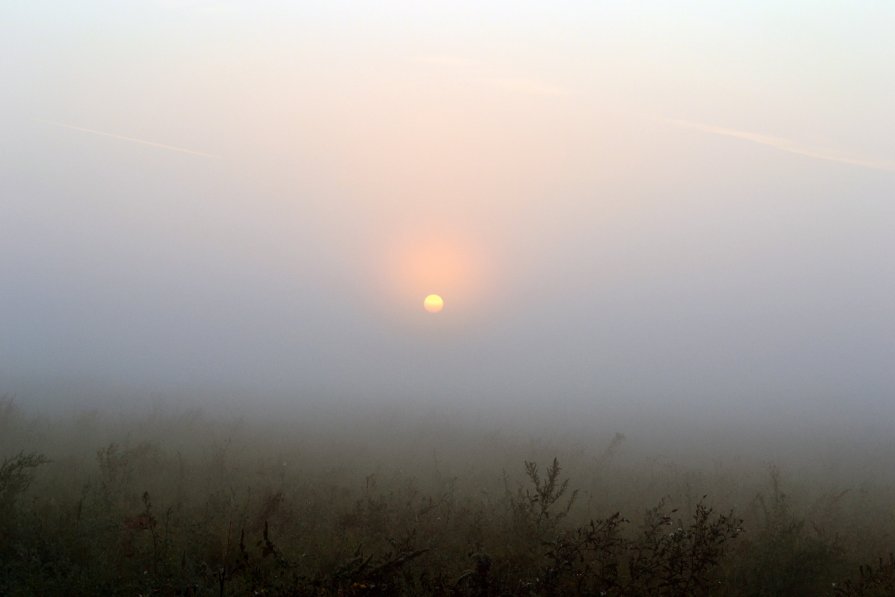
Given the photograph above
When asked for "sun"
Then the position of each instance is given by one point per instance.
(433, 303)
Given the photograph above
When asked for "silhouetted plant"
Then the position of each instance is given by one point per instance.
(665, 558)
(675, 559)
(873, 581)
(587, 560)
(15, 476)
(784, 556)
(533, 508)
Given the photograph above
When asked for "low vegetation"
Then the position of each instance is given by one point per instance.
(185, 504)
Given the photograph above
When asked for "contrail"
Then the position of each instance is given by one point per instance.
(131, 139)
(785, 145)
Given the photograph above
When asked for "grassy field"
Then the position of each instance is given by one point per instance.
(186, 503)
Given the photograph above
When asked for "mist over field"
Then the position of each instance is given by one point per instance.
(663, 236)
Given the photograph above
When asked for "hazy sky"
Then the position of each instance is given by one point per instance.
(651, 204)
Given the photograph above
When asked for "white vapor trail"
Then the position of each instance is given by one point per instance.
(786, 145)
(131, 139)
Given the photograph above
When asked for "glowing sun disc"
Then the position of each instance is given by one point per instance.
(433, 303)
